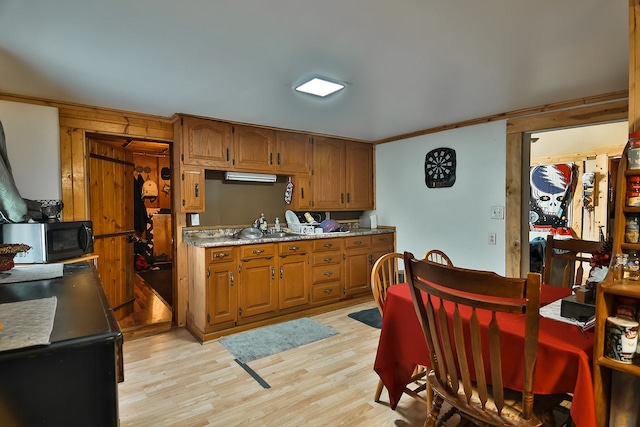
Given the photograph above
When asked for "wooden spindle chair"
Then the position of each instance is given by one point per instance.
(386, 273)
(565, 254)
(440, 294)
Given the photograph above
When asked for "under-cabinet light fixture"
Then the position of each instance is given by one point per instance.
(251, 177)
(319, 86)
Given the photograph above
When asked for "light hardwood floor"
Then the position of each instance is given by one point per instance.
(173, 380)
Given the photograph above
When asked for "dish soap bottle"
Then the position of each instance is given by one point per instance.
(262, 223)
(276, 225)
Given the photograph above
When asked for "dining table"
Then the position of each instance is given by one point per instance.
(563, 363)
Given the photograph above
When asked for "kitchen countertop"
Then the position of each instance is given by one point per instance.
(210, 238)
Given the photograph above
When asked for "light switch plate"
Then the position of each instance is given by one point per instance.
(497, 212)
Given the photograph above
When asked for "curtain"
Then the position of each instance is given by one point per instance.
(12, 207)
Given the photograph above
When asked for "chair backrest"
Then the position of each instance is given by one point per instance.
(561, 257)
(385, 273)
(446, 300)
(437, 256)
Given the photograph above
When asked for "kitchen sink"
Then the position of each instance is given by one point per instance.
(278, 234)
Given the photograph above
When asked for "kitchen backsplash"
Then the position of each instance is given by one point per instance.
(240, 203)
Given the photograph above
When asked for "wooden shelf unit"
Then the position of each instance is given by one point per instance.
(606, 294)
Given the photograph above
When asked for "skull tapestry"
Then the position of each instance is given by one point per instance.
(551, 190)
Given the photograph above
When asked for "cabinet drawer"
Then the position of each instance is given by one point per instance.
(382, 240)
(290, 248)
(326, 273)
(326, 292)
(357, 242)
(257, 251)
(218, 255)
(325, 258)
(327, 244)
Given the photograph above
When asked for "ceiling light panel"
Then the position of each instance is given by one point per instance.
(319, 86)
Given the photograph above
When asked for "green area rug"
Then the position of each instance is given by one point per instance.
(262, 342)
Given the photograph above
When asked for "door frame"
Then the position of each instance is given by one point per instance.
(518, 164)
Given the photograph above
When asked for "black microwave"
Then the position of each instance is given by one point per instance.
(50, 241)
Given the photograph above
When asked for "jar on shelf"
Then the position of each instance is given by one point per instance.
(632, 229)
(633, 154)
(632, 269)
(619, 267)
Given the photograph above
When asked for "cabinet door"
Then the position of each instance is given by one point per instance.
(207, 143)
(221, 294)
(192, 190)
(258, 292)
(294, 281)
(357, 266)
(328, 174)
(357, 272)
(359, 176)
(381, 244)
(254, 149)
(294, 152)
(302, 198)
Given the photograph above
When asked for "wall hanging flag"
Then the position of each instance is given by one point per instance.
(551, 190)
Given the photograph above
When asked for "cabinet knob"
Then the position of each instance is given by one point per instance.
(327, 291)
(328, 273)
(328, 245)
(257, 251)
(328, 259)
(294, 248)
(221, 255)
(231, 279)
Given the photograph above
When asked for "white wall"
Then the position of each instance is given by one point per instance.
(455, 220)
(33, 146)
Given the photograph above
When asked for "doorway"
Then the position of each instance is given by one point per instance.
(592, 152)
(136, 193)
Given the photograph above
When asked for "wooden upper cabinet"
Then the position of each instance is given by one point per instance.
(328, 173)
(192, 189)
(293, 153)
(359, 176)
(207, 143)
(254, 149)
(342, 174)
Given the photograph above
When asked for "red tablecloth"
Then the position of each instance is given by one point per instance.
(563, 364)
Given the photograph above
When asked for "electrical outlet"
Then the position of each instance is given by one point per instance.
(497, 212)
(492, 238)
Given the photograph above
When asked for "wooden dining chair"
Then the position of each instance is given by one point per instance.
(443, 295)
(386, 273)
(437, 256)
(564, 260)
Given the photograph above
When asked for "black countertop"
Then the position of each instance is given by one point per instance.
(82, 314)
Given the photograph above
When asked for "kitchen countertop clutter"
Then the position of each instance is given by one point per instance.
(208, 237)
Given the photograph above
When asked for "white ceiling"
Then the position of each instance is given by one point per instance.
(409, 64)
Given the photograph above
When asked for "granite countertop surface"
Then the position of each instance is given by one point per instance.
(209, 238)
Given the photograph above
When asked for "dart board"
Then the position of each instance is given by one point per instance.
(440, 168)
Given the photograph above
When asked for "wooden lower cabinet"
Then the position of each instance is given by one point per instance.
(294, 272)
(213, 296)
(237, 286)
(258, 290)
(357, 265)
(381, 244)
(326, 270)
(221, 294)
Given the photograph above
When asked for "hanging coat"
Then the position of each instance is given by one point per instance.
(139, 209)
